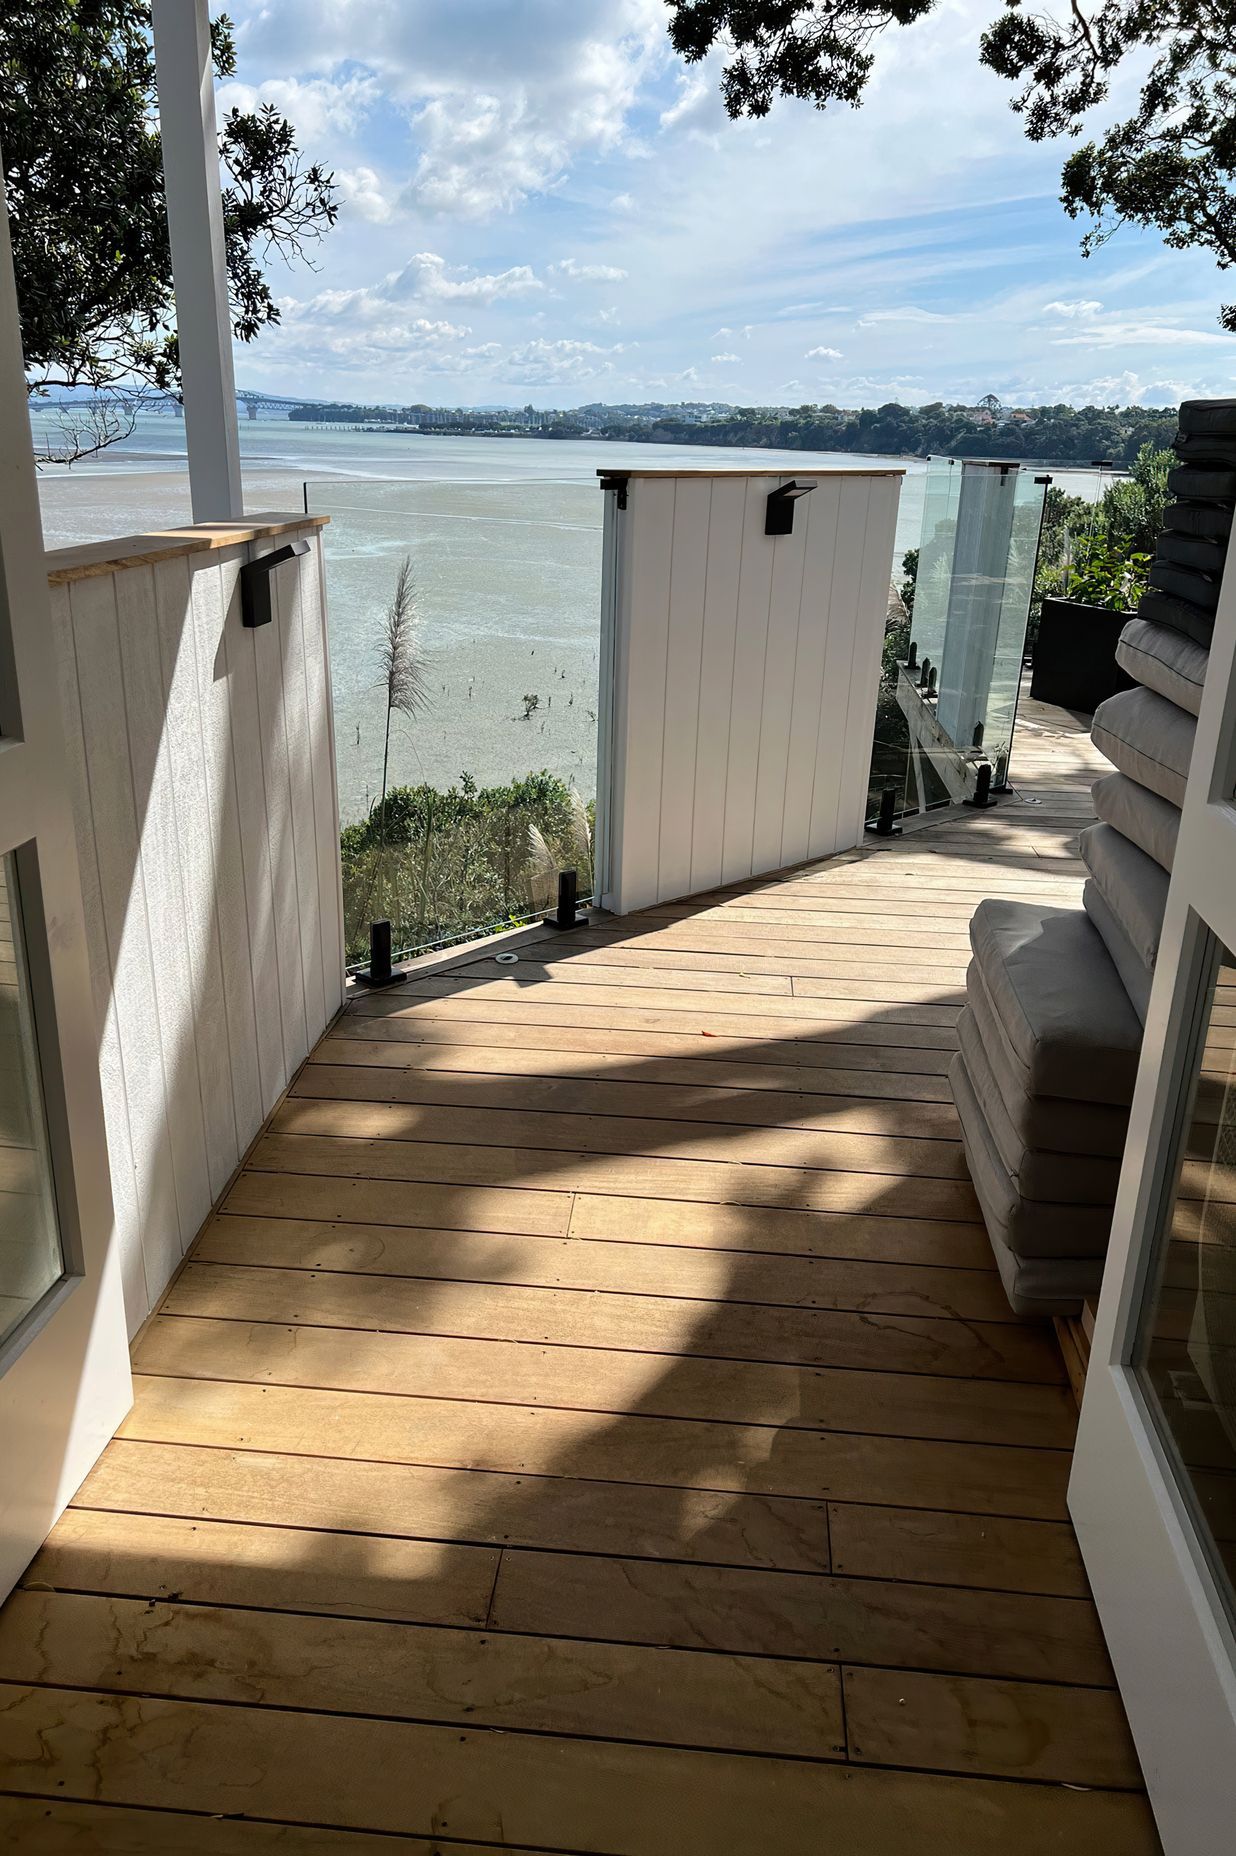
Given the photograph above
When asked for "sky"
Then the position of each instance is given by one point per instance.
(543, 204)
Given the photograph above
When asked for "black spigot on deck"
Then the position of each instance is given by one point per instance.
(912, 655)
(882, 826)
(977, 740)
(380, 972)
(567, 914)
(924, 673)
(931, 681)
(982, 788)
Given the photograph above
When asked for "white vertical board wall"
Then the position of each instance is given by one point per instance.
(201, 758)
(745, 673)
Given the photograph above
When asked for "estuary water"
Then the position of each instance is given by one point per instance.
(504, 535)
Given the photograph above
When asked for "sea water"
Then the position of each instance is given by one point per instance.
(504, 536)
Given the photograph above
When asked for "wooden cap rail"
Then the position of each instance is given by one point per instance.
(91, 558)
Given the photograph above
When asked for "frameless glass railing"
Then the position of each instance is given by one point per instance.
(465, 706)
(948, 702)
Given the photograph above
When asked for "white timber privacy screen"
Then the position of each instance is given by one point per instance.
(739, 674)
(201, 762)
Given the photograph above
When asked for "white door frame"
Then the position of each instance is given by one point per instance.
(64, 1373)
(1166, 1624)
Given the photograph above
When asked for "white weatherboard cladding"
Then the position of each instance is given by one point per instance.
(201, 764)
(745, 671)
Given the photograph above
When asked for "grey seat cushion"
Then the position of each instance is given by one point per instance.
(1151, 823)
(1147, 737)
(1177, 614)
(1133, 886)
(1029, 1227)
(1068, 1019)
(1037, 1173)
(1135, 976)
(1046, 1286)
(1164, 661)
(1050, 1122)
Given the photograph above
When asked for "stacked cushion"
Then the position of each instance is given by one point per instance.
(1056, 998)
(1042, 1081)
(1147, 733)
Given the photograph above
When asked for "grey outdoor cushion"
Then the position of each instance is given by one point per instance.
(1179, 614)
(1041, 1121)
(1133, 886)
(1147, 737)
(1135, 976)
(1046, 1286)
(1140, 815)
(1037, 1173)
(1164, 661)
(1068, 1019)
(1028, 1226)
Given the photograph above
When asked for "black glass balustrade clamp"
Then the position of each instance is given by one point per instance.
(912, 656)
(380, 971)
(256, 605)
(982, 798)
(779, 510)
(883, 824)
(931, 681)
(567, 914)
(924, 674)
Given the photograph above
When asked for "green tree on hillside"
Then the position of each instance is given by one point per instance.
(1168, 165)
(83, 173)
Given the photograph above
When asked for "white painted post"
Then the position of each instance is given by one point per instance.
(199, 265)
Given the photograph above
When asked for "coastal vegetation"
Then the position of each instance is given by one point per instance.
(439, 865)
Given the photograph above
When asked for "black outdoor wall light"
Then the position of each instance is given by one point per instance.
(779, 514)
(255, 600)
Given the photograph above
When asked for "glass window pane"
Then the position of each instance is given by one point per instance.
(31, 1259)
(1186, 1341)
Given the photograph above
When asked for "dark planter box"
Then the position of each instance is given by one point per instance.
(1075, 657)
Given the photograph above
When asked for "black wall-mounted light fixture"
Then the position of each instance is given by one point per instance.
(779, 512)
(255, 601)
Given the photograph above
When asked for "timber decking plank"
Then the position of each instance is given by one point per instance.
(588, 1132)
(279, 1568)
(620, 1036)
(854, 1113)
(1014, 1635)
(550, 1442)
(941, 1547)
(481, 1507)
(694, 1272)
(349, 1666)
(448, 1163)
(643, 1323)
(527, 1789)
(71, 1827)
(969, 1724)
(591, 1378)
(599, 1057)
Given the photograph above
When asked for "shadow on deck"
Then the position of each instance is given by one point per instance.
(593, 1423)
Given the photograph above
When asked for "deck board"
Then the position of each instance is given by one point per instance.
(592, 1422)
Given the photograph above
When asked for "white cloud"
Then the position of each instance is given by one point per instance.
(553, 363)
(502, 100)
(1082, 308)
(587, 273)
(908, 313)
(364, 193)
(623, 203)
(744, 332)
(426, 275)
(1121, 333)
(316, 106)
(823, 354)
(724, 358)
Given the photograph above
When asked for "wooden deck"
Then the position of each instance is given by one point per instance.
(594, 1423)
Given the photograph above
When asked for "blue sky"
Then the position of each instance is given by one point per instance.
(542, 204)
